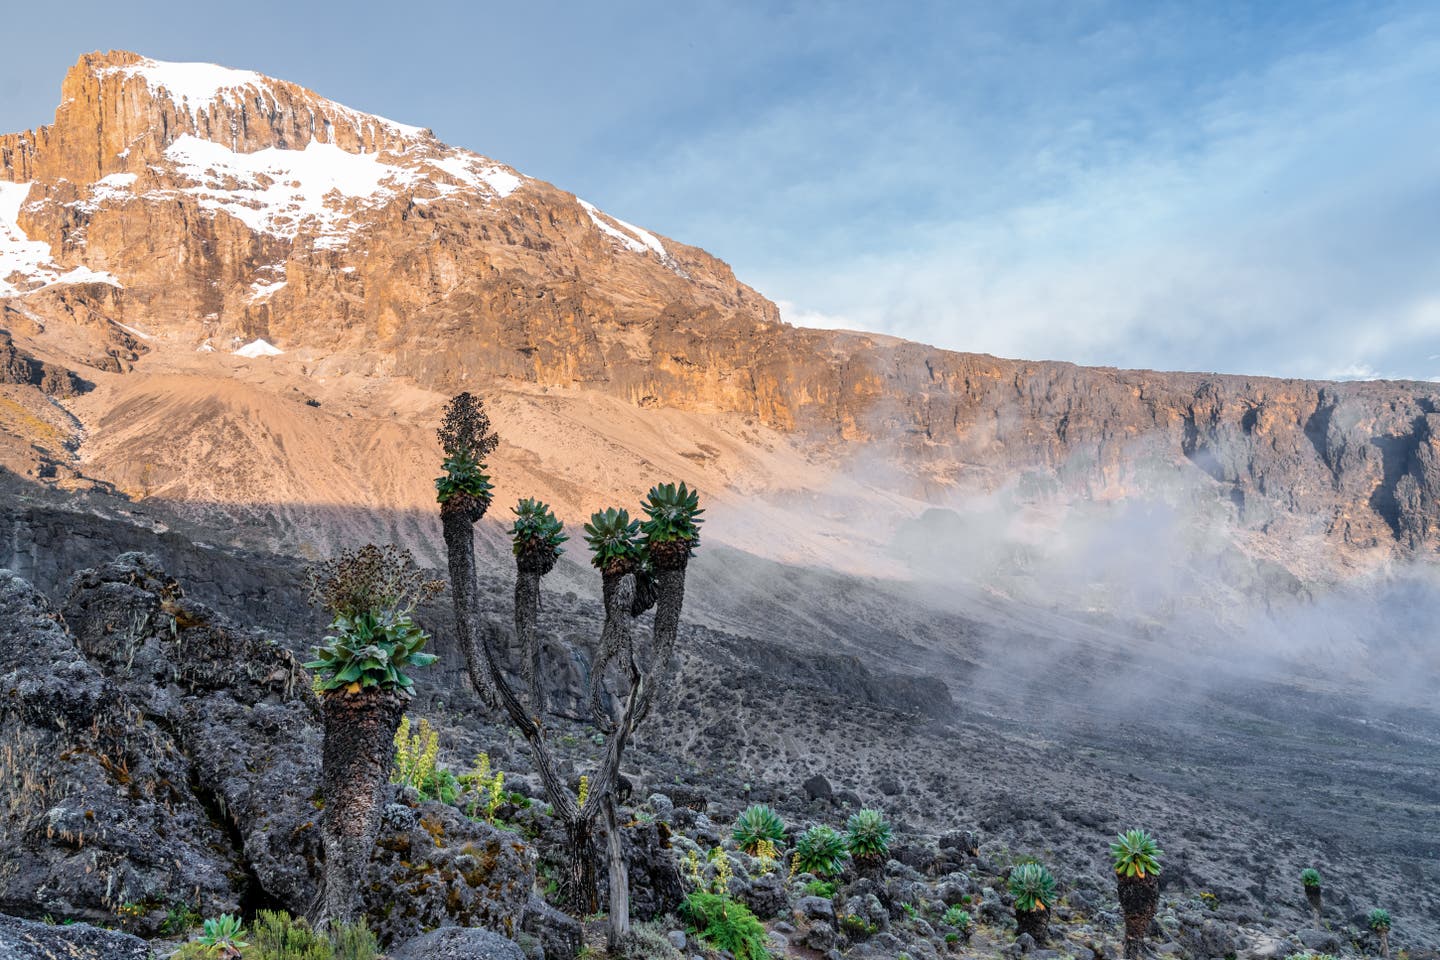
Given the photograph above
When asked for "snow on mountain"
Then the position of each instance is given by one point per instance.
(284, 161)
(195, 86)
(25, 264)
(259, 348)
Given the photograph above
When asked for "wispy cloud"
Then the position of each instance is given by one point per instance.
(1264, 207)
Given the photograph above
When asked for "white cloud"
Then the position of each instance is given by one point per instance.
(803, 317)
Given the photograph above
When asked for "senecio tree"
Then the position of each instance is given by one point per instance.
(1136, 857)
(362, 675)
(642, 563)
(464, 493)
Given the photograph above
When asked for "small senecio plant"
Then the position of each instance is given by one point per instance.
(1033, 888)
(1314, 893)
(222, 935)
(1379, 921)
(536, 535)
(755, 826)
(672, 522)
(614, 541)
(867, 835)
(1136, 854)
(820, 851)
(1136, 857)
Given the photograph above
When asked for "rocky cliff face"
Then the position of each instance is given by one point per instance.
(220, 211)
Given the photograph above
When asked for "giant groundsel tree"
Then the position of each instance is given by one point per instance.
(642, 563)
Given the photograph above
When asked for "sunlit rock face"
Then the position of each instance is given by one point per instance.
(294, 287)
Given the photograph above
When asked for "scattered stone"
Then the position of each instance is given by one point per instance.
(459, 943)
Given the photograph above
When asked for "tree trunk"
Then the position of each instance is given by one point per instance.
(619, 880)
(1385, 944)
(355, 767)
(1034, 922)
(1139, 898)
(527, 610)
(1315, 896)
(457, 522)
(582, 888)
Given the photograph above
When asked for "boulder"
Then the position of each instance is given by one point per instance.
(27, 940)
(238, 704)
(655, 887)
(1319, 941)
(435, 867)
(817, 788)
(765, 896)
(560, 934)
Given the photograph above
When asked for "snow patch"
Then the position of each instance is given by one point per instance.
(259, 348)
(477, 172)
(27, 265)
(264, 291)
(280, 191)
(129, 329)
(195, 86)
(631, 236)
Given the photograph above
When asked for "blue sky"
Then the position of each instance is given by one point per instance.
(1239, 187)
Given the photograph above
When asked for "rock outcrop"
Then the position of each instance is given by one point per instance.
(98, 811)
(160, 755)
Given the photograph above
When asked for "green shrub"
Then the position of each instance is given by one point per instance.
(194, 950)
(726, 925)
(957, 918)
(352, 941)
(179, 918)
(757, 823)
(279, 936)
(1032, 886)
(856, 924)
(867, 835)
(1310, 878)
(647, 941)
(821, 851)
(1136, 854)
(1379, 920)
(820, 888)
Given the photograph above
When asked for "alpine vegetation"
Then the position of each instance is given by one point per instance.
(642, 564)
(362, 673)
(1033, 888)
(757, 825)
(820, 851)
(1136, 857)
